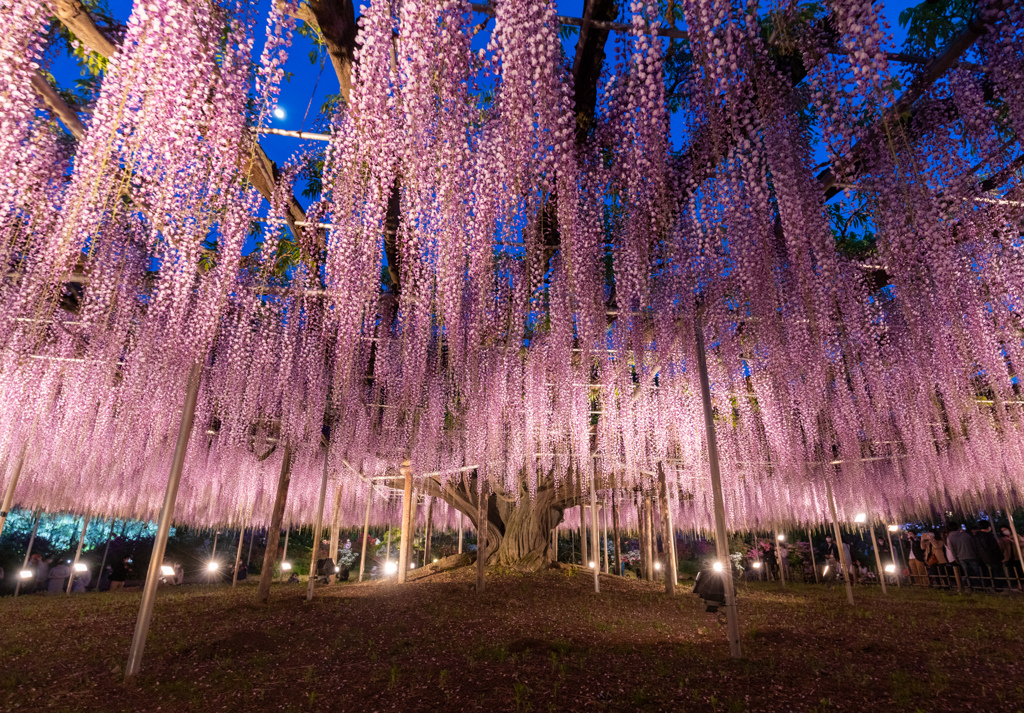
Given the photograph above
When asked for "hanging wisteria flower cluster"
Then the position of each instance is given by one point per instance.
(507, 289)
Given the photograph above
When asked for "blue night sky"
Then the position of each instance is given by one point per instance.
(309, 87)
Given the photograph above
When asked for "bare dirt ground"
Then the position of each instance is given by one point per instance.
(542, 642)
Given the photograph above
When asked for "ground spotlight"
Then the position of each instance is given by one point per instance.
(286, 566)
(894, 528)
(390, 568)
(166, 570)
(781, 538)
(890, 568)
(825, 571)
(757, 565)
(592, 565)
(717, 566)
(861, 518)
(212, 566)
(25, 574)
(657, 565)
(79, 567)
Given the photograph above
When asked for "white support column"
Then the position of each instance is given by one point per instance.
(878, 558)
(188, 413)
(28, 553)
(366, 529)
(721, 543)
(594, 531)
(78, 552)
(839, 540)
(238, 555)
(319, 527)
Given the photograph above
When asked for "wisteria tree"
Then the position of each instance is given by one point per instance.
(505, 245)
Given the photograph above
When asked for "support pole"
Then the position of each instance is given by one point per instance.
(778, 557)
(481, 535)
(1016, 542)
(810, 546)
(428, 531)
(274, 532)
(188, 413)
(78, 552)
(649, 538)
(284, 553)
(335, 530)
(878, 558)
(238, 555)
(615, 531)
(461, 527)
(366, 530)
(721, 543)
(28, 554)
(106, 549)
(593, 529)
(318, 529)
(554, 543)
(604, 537)
(892, 553)
(839, 541)
(666, 532)
(11, 485)
(584, 548)
(406, 536)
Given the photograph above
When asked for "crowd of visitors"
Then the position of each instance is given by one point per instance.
(952, 556)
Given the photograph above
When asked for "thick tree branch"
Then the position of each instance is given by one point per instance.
(924, 81)
(60, 109)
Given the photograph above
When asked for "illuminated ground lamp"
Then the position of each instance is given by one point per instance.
(166, 570)
(412, 565)
(757, 565)
(390, 568)
(435, 559)
(781, 538)
(861, 518)
(657, 565)
(286, 566)
(717, 566)
(890, 568)
(824, 571)
(79, 567)
(212, 567)
(337, 568)
(25, 574)
(592, 565)
(894, 528)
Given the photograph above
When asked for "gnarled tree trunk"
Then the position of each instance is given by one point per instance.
(518, 533)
